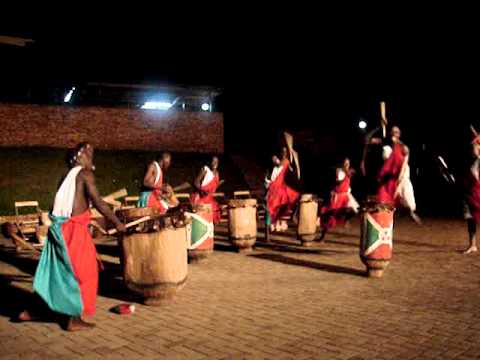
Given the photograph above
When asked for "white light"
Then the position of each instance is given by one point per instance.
(205, 107)
(362, 124)
(157, 105)
(68, 97)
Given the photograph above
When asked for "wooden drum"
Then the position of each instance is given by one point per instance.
(307, 219)
(242, 223)
(376, 237)
(154, 257)
(201, 232)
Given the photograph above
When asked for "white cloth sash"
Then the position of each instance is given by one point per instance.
(65, 196)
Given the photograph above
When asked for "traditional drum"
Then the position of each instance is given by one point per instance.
(154, 257)
(242, 223)
(307, 219)
(376, 237)
(200, 232)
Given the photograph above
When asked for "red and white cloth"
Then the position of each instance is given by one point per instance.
(281, 198)
(209, 185)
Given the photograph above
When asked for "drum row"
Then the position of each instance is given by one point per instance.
(155, 255)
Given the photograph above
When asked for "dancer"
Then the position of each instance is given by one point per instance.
(206, 184)
(472, 197)
(395, 186)
(342, 205)
(281, 198)
(67, 273)
(156, 193)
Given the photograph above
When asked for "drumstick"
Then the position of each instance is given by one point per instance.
(475, 134)
(101, 229)
(115, 195)
(383, 120)
(183, 186)
(130, 224)
(473, 131)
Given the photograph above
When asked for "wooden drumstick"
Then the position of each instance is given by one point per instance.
(475, 134)
(183, 186)
(383, 120)
(130, 224)
(473, 131)
(96, 225)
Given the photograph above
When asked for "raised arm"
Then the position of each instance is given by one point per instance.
(369, 140)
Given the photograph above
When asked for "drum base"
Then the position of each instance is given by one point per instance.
(307, 239)
(375, 273)
(307, 243)
(376, 268)
(157, 295)
(244, 245)
(159, 301)
(196, 255)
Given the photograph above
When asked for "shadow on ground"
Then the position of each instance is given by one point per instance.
(311, 264)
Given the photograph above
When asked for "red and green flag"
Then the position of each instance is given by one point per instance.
(377, 235)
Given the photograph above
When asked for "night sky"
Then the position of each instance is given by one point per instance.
(276, 79)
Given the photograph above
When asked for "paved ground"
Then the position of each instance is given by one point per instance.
(280, 302)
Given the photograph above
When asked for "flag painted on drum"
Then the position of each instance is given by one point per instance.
(378, 233)
(198, 231)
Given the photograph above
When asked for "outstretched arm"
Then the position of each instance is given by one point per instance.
(97, 201)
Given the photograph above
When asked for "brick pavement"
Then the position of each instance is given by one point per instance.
(280, 302)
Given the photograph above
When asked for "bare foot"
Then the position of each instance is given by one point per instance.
(470, 250)
(77, 324)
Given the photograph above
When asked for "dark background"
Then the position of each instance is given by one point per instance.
(312, 81)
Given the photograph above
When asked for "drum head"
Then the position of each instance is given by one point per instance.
(234, 203)
(127, 215)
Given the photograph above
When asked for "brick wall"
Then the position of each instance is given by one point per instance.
(110, 128)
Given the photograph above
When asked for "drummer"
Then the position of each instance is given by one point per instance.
(395, 186)
(206, 184)
(67, 273)
(472, 197)
(157, 192)
(281, 198)
(342, 205)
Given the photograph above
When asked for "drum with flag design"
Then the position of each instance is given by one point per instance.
(376, 237)
(307, 219)
(242, 223)
(200, 232)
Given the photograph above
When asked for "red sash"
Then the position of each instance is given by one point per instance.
(389, 174)
(210, 189)
(281, 199)
(83, 258)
